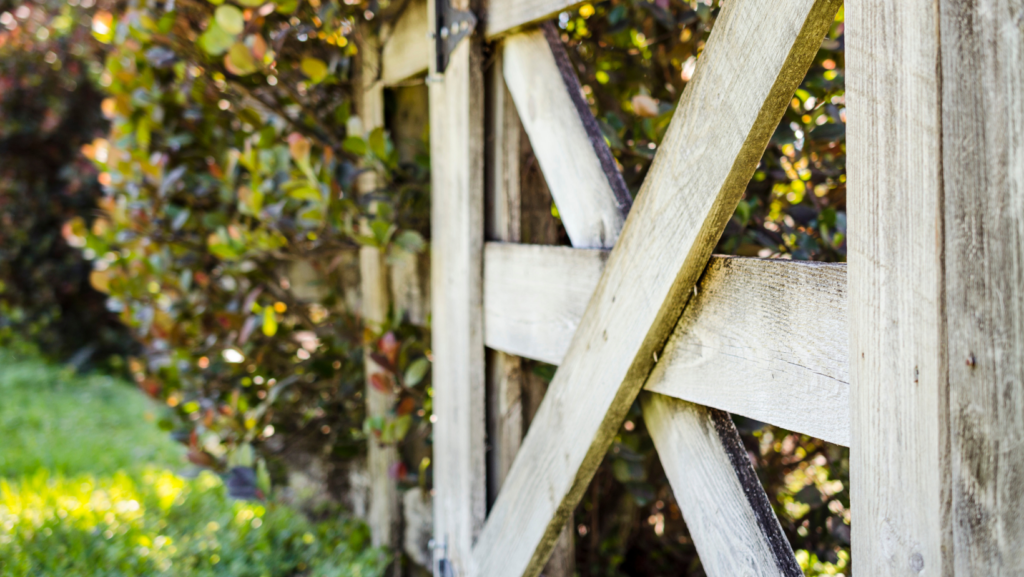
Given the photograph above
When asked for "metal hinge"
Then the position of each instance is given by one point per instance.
(442, 565)
(452, 25)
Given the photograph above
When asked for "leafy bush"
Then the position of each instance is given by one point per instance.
(232, 160)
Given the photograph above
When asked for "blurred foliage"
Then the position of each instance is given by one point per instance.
(634, 58)
(84, 490)
(231, 166)
(48, 110)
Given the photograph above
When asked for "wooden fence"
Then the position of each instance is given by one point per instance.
(916, 362)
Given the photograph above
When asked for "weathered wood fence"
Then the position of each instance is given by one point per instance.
(916, 362)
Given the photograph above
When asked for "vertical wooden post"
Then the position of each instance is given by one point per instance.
(385, 505)
(503, 223)
(513, 394)
(936, 219)
(457, 226)
(983, 179)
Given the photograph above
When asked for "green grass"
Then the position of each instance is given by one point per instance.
(52, 419)
(87, 488)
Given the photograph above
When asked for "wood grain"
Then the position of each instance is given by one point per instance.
(983, 176)
(755, 58)
(505, 423)
(504, 16)
(591, 196)
(899, 449)
(457, 224)
(535, 296)
(725, 508)
(510, 388)
(766, 339)
(407, 45)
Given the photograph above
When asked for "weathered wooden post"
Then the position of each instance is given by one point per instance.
(384, 515)
(936, 253)
(456, 261)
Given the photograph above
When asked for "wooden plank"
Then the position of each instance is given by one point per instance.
(407, 45)
(513, 395)
(899, 452)
(755, 58)
(983, 176)
(504, 16)
(504, 397)
(535, 296)
(457, 225)
(591, 196)
(726, 510)
(766, 339)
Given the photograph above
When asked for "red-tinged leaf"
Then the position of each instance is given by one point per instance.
(408, 405)
(398, 470)
(381, 382)
(389, 345)
(383, 361)
(200, 458)
(151, 387)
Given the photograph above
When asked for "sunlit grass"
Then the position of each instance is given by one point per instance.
(86, 491)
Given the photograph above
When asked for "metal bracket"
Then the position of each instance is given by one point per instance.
(452, 26)
(443, 567)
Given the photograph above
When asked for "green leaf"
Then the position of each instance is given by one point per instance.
(304, 192)
(829, 132)
(269, 322)
(378, 143)
(287, 6)
(402, 425)
(410, 241)
(239, 60)
(215, 41)
(382, 231)
(355, 145)
(230, 19)
(314, 68)
(416, 371)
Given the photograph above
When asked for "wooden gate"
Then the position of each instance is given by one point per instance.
(933, 323)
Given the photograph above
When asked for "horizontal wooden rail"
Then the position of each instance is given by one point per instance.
(407, 46)
(766, 339)
(504, 16)
(534, 297)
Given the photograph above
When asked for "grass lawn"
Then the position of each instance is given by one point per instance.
(88, 488)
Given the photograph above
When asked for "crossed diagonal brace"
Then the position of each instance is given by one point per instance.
(755, 59)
